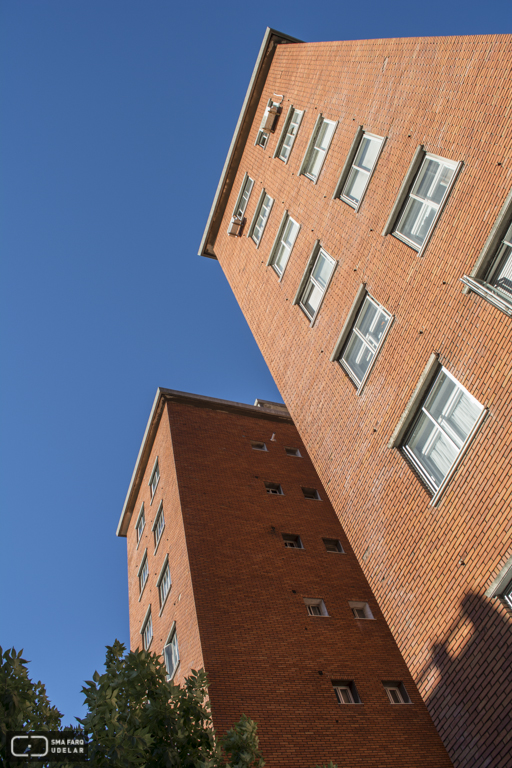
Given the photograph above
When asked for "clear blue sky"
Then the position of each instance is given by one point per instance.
(117, 116)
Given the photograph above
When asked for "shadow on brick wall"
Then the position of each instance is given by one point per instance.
(467, 685)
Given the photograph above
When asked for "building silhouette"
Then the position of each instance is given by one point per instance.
(363, 220)
(238, 563)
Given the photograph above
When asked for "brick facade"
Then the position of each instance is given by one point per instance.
(237, 598)
(429, 566)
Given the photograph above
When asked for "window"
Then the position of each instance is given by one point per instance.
(502, 585)
(288, 135)
(315, 283)
(494, 281)
(360, 610)
(318, 148)
(171, 654)
(315, 606)
(283, 245)
(158, 525)
(291, 541)
(425, 200)
(359, 170)
(346, 692)
(396, 693)
(164, 582)
(333, 545)
(260, 217)
(293, 452)
(153, 480)
(268, 122)
(243, 197)
(147, 630)
(506, 596)
(447, 419)
(311, 493)
(139, 525)
(274, 489)
(364, 340)
(258, 446)
(143, 573)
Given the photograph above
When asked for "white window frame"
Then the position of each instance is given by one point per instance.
(349, 329)
(349, 687)
(279, 241)
(143, 568)
(239, 210)
(147, 624)
(477, 280)
(163, 573)
(291, 541)
(415, 416)
(155, 471)
(255, 219)
(501, 587)
(141, 516)
(317, 605)
(172, 640)
(358, 605)
(438, 207)
(286, 132)
(306, 163)
(157, 533)
(350, 164)
(263, 134)
(398, 688)
(307, 278)
(337, 543)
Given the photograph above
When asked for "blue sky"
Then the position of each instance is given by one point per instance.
(117, 117)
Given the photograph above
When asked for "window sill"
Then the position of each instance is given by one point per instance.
(413, 246)
(487, 294)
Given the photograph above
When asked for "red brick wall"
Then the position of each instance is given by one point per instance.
(265, 656)
(429, 567)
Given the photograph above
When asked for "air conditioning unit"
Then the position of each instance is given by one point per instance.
(234, 226)
(270, 119)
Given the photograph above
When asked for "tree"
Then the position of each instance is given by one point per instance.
(136, 718)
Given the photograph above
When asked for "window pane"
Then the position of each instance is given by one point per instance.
(433, 451)
(290, 233)
(312, 298)
(315, 163)
(355, 185)
(367, 153)
(357, 356)
(452, 408)
(371, 323)
(416, 221)
(433, 180)
(324, 135)
(500, 275)
(322, 270)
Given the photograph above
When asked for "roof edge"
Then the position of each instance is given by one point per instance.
(201, 401)
(271, 39)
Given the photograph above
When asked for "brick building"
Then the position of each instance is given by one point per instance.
(363, 220)
(237, 563)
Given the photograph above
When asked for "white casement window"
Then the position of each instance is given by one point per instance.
(290, 131)
(333, 545)
(360, 610)
(274, 489)
(346, 692)
(283, 245)
(396, 693)
(147, 630)
(495, 285)
(159, 525)
(448, 418)
(269, 120)
(154, 479)
(318, 148)
(365, 340)
(362, 167)
(243, 198)
(140, 524)
(425, 200)
(316, 284)
(143, 573)
(291, 541)
(315, 606)
(171, 654)
(164, 582)
(261, 217)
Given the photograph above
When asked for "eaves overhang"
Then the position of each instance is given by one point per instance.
(271, 40)
(199, 401)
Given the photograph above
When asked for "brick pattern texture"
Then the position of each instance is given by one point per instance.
(242, 604)
(429, 567)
